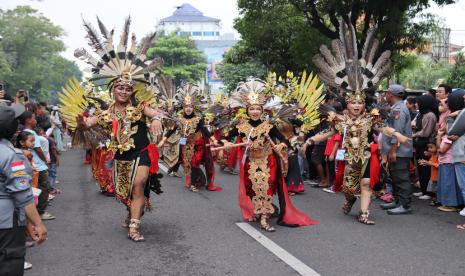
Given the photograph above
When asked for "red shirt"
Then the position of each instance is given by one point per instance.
(330, 144)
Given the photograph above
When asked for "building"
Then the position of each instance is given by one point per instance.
(206, 32)
(188, 20)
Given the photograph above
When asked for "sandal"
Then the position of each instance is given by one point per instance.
(265, 225)
(134, 233)
(194, 189)
(364, 218)
(461, 227)
(348, 205)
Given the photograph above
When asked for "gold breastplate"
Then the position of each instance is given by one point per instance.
(356, 132)
(120, 140)
(260, 147)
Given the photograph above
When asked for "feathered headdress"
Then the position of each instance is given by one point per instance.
(251, 92)
(166, 92)
(190, 94)
(345, 68)
(121, 65)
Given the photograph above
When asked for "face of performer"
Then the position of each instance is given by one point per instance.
(255, 111)
(355, 107)
(188, 109)
(122, 93)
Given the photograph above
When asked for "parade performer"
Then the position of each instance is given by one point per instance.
(170, 150)
(262, 161)
(293, 178)
(195, 140)
(219, 114)
(127, 120)
(346, 69)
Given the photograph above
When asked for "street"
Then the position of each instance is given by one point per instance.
(196, 234)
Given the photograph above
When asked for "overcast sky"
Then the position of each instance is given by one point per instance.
(146, 13)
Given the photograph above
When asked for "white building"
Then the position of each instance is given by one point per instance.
(188, 20)
(206, 32)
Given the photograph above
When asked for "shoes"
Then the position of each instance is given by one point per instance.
(462, 213)
(447, 208)
(424, 197)
(27, 265)
(329, 190)
(418, 194)
(51, 197)
(399, 211)
(387, 198)
(47, 216)
(387, 206)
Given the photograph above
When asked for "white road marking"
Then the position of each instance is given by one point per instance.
(163, 167)
(285, 256)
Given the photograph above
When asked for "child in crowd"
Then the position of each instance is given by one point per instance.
(54, 161)
(448, 193)
(330, 154)
(432, 153)
(25, 141)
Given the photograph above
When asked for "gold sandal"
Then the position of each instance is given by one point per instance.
(265, 225)
(364, 218)
(135, 235)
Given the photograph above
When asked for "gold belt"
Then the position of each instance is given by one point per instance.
(259, 153)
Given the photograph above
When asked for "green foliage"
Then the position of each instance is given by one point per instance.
(29, 53)
(457, 74)
(182, 61)
(403, 24)
(424, 74)
(276, 35)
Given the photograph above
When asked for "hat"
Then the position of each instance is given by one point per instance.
(9, 113)
(396, 90)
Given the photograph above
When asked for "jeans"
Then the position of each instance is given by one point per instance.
(52, 175)
(401, 181)
(460, 173)
(43, 197)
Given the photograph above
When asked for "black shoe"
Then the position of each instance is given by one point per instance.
(399, 211)
(387, 206)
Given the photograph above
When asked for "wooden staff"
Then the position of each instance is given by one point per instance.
(232, 146)
(273, 144)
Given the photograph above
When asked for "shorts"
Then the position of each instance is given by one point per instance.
(318, 154)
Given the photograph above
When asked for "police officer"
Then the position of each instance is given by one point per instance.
(16, 200)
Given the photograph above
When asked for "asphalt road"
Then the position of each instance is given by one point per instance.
(196, 234)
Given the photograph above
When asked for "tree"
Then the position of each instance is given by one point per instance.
(238, 65)
(276, 34)
(402, 24)
(182, 61)
(29, 53)
(457, 74)
(425, 73)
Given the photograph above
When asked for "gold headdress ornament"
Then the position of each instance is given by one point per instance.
(123, 65)
(251, 92)
(345, 68)
(190, 94)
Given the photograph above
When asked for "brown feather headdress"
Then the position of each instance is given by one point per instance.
(124, 64)
(345, 68)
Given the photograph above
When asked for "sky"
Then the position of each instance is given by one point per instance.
(146, 13)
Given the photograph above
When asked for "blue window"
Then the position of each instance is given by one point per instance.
(197, 33)
(217, 33)
(209, 33)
